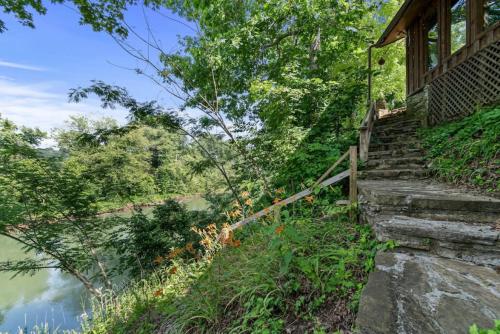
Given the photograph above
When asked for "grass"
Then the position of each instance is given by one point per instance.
(301, 274)
(467, 152)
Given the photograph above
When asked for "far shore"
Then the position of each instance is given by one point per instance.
(131, 206)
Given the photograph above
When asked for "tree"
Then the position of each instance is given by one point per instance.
(138, 163)
(259, 70)
(52, 211)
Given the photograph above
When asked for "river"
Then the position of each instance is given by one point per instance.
(49, 296)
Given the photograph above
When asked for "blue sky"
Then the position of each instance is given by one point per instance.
(39, 66)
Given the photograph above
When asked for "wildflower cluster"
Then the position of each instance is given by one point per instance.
(227, 237)
(208, 236)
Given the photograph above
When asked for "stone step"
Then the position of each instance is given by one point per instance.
(383, 166)
(400, 174)
(401, 153)
(425, 199)
(394, 129)
(477, 243)
(403, 145)
(418, 293)
(397, 123)
(403, 163)
(401, 115)
(398, 137)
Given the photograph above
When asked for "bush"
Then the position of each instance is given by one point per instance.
(150, 239)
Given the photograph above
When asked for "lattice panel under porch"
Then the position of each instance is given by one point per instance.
(458, 92)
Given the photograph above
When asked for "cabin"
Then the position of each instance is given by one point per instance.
(452, 55)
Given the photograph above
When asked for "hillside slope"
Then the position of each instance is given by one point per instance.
(300, 275)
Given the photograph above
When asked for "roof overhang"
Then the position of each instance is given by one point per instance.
(396, 29)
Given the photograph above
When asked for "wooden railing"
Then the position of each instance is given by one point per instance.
(365, 131)
(321, 182)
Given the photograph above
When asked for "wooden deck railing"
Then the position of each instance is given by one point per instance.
(365, 131)
(321, 182)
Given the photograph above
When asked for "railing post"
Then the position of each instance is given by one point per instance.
(363, 145)
(353, 178)
(369, 75)
(277, 214)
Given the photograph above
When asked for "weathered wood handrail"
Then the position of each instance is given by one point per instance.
(365, 132)
(351, 173)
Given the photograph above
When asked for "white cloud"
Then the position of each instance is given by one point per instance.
(21, 66)
(38, 105)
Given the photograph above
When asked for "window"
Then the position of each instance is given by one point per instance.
(491, 12)
(458, 24)
(432, 37)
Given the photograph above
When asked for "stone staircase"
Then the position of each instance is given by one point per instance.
(395, 150)
(444, 275)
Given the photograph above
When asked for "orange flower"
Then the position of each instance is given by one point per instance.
(249, 202)
(175, 253)
(206, 242)
(158, 293)
(309, 198)
(235, 213)
(276, 200)
(279, 229)
(172, 271)
(236, 243)
(158, 260)
(245, 194)
(189, 247)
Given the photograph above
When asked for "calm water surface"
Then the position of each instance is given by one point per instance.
(49, 296)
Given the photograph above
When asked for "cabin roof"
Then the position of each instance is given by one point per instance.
(404, 17)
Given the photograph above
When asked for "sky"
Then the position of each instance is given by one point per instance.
(39, 66)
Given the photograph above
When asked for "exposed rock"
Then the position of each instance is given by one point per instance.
(418, 105)
(418, 293)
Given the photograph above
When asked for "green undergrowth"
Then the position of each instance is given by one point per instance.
(300, 274)
(467, 152)
(474, 329)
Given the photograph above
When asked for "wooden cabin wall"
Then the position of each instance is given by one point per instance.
(418, 75)
(415, 61)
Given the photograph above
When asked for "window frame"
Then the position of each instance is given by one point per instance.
(448, 30)
(481, 13)
(433, 11)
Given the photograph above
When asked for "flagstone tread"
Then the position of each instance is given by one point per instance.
(418, 293)
(429, 189)
(477, 243)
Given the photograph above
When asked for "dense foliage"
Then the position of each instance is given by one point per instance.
(138, 165)
(467, 152)
(150, 239)
(300, 274)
